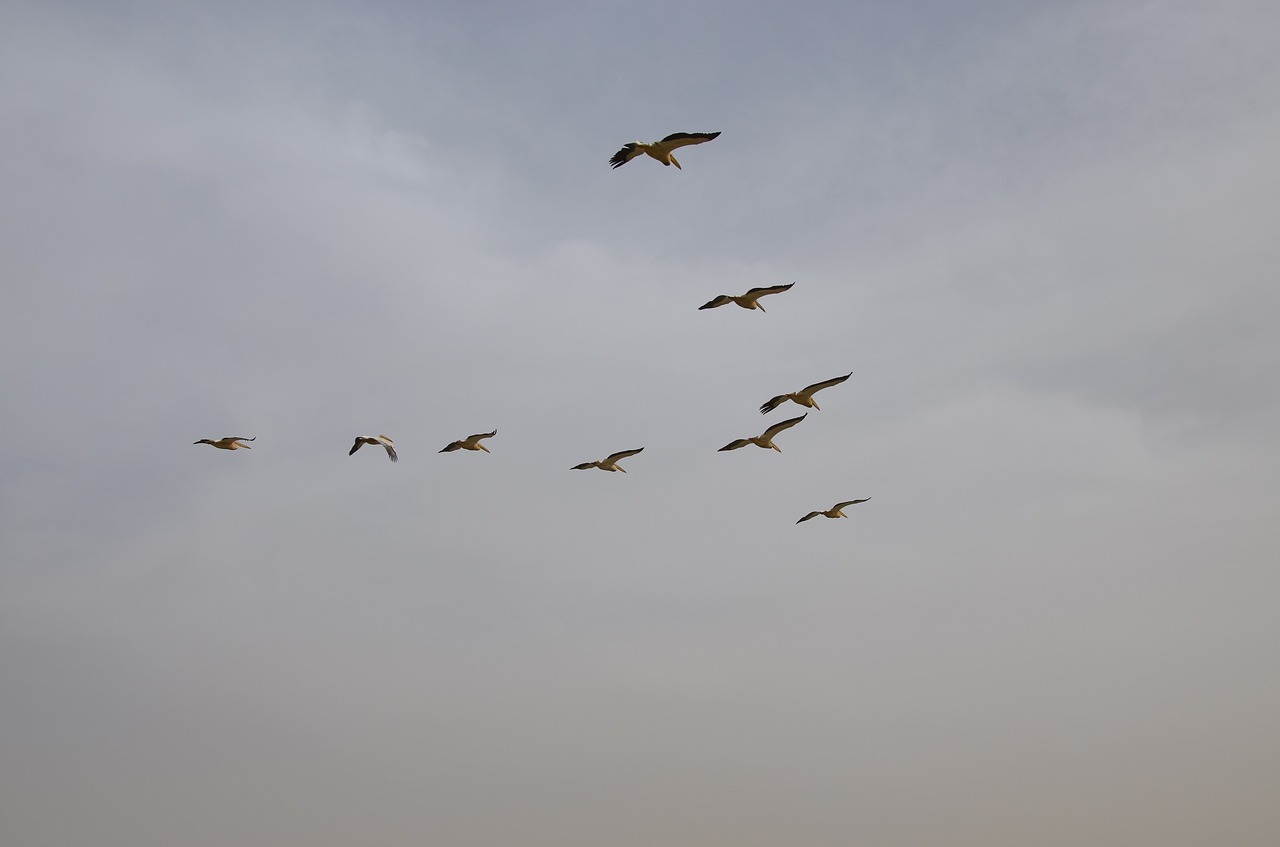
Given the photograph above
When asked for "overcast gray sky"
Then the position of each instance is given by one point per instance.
(1041, 236)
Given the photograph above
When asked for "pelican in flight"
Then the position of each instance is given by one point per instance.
(750, 300)
(609, 463)
(660, 150)
(231, 442)
(834, 511)
(471, 442)
(804, 396)
(765, 439)
(362, 440)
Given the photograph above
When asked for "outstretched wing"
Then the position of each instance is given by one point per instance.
(734, 445)
(684, 139)
(810, 390)
(241, 438)
(757, 293)
(626, 154)
(718, 301)
(354, 447)
(620, 455)
(390, 447)
(480, 435)
(584, 466)
(773, 403)
(839, 506)
(787, 424)
(453, 445)
(810, 515)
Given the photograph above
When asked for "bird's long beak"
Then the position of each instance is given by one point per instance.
(624, 470)
(482, 447)
(815, 405)
(676, 163)
(776, 447)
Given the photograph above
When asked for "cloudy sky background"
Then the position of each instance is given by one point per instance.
(1042, 236)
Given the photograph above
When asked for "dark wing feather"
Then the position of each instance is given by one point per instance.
(684, 139)
(810, 515)
(818, 386)
(354, 447)
(770, 289)
(453, 445)
(734, 445)
(849, 503)
(773, 403)
(584, 466)
(616, 457)
(718, 301)
(787, 424)
(626, 154)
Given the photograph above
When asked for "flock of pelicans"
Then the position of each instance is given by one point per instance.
(662, 151)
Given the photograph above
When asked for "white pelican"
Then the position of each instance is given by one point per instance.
(231, 442)
(610, 462)
(750, 300)
(362, 440)
(660, 150)
(471, 442)
(834, 511)
(765, 439)
(804, 396)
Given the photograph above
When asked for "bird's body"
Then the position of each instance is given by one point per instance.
(834, 511)
(380, 440)
(610, 462)
(660, 150)
(750, 300)
(765, 439)
(471, 442)
(804, 396)
(231, 442)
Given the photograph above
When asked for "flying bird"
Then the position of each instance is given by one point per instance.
(750, 300)
(804, 396)
(231, 442)
(660, 150)
(471, 442)
(765, 439)
(362, 440)
(834, 511)
(609, 463)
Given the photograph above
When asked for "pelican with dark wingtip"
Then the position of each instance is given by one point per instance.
(660, 150)
(610, 462)
(765, 439)
(380, 440)
(804, 396)
(750, 300)
(834, 511)
(231, 442)
(471, 442)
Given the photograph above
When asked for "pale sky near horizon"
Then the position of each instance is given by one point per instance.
(1040, 235)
